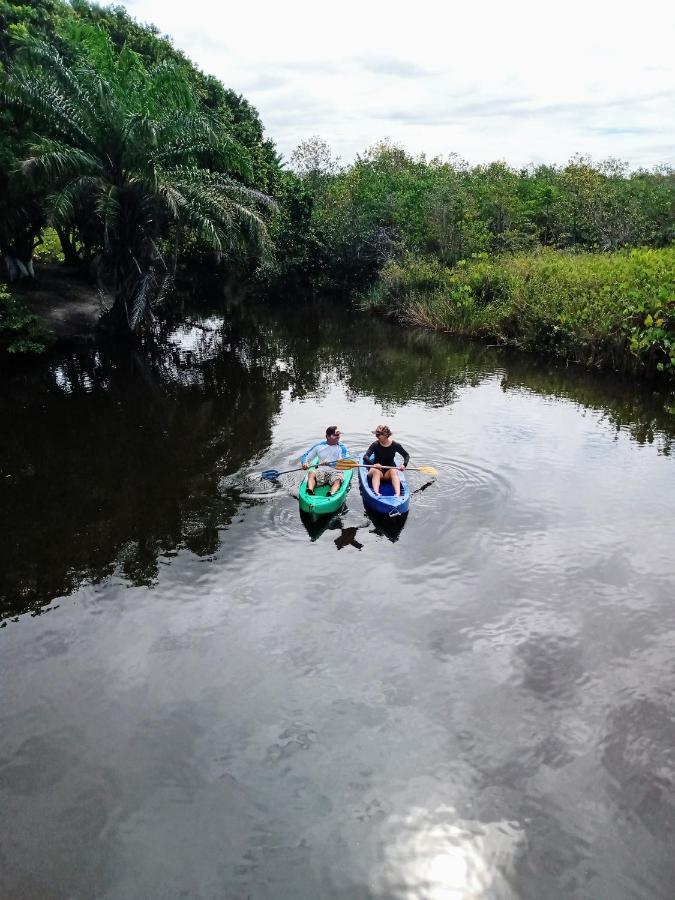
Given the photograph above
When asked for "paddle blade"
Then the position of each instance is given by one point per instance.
(342, 465)
(427, 470)
(270, 474)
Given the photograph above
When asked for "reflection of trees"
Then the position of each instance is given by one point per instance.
(112, 459)
(639, 754)
(627, 406)
(371, 356)
(395, 364)
(551, 666)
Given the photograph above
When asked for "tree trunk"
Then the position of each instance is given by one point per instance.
(70, 256)
(116, 321)
(18, 254)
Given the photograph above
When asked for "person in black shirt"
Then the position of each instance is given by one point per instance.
(382, 452)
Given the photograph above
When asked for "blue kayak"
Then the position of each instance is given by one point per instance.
(386, 504)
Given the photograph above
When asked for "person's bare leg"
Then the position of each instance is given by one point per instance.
(375, 476)
(335, 486)
(311, 480)
(395, 482)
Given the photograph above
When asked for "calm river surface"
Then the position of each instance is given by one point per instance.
(204, 696)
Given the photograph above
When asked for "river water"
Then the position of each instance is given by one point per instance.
(204, 695)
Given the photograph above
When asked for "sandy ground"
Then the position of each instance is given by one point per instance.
(69, 307)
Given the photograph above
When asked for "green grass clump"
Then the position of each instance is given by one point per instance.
(615, 309)
(20, 330)
(49, 249)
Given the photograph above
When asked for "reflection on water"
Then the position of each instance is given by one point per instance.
(317, 525)
(347, 538)
(347, 526)
(436, 855)
(206, 693)
(388, 526)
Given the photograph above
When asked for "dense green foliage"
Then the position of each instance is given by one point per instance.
(115, 144)
(49, 250)
(388, 204)
(615, 309)
(117, 141)
(529, 257)
(126, 158)
(20, 329)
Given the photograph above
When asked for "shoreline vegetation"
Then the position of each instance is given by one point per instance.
(129, 168)
(613, 310)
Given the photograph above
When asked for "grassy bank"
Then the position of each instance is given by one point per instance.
(614, 310)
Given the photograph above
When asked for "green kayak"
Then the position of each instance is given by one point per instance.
(319, 502)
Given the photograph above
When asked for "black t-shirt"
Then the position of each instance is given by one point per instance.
(385, 455)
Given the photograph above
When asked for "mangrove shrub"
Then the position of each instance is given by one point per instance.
(614, 309)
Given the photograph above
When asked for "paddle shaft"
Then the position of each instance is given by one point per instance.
(271, 474)
(342, 468)
(343, 465)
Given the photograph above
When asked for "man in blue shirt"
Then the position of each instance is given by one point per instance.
(328, 452)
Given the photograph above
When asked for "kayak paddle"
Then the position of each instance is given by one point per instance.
(342, 465)
(273, 474)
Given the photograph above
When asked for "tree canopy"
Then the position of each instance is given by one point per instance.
(125, 151)
(111, 135)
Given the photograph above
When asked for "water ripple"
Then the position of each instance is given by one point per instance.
(461, 481)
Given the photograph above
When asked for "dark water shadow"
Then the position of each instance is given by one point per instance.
(315, 525)
(387, 526)
(346, 534)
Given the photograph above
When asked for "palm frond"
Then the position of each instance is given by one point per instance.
(226, 187)
(168, 85)
(141, 298)
(55, 162)
(108, 209)
(43, 55)
(62, 205)
(180, 149)
(174, 124)
(47, 106)
(173, 200)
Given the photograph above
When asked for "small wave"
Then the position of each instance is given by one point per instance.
(460, 482)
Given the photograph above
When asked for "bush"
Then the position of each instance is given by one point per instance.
(20, 330)
(615, 309)
(49, 250)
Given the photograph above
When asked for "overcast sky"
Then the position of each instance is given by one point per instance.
(524, 81)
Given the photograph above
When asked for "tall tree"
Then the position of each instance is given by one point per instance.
(118, 152)
(21, 206)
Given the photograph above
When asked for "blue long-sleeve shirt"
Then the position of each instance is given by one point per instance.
(327, 453)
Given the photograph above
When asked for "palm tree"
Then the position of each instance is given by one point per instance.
(129, 158)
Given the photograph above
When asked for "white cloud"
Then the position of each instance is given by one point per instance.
(523, 81)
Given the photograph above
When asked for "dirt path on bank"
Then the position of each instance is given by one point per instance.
(69, 307)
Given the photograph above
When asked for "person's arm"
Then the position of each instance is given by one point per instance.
(344, 453)
(308, 454)
(404, 453)
(369, 455)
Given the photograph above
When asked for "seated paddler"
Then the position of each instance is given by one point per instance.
(328, 452)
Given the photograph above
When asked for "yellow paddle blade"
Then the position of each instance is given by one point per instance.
(343, 464)
(428, 470)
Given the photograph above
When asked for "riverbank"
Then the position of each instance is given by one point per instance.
(613, 310)
(68, 308)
